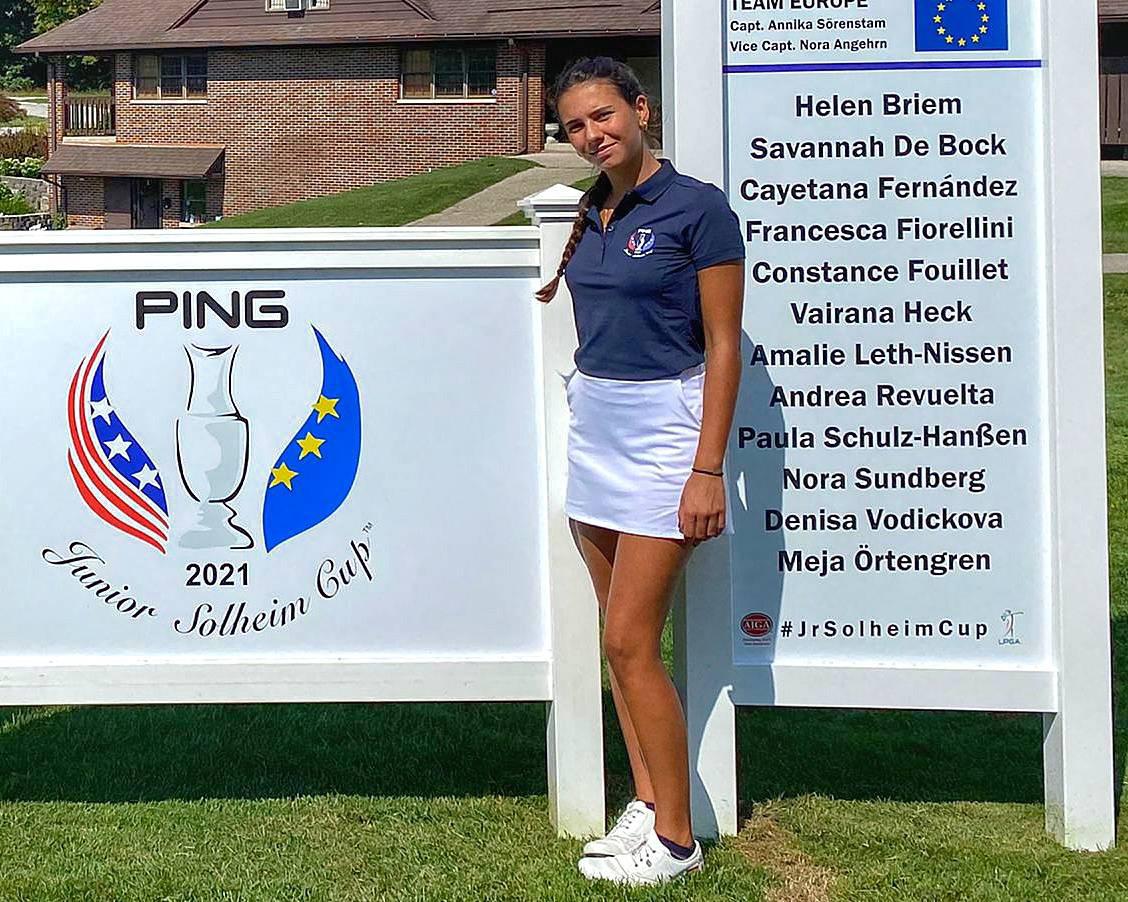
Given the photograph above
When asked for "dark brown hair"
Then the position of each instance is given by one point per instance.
(599, 68)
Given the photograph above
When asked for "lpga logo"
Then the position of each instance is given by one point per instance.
(640, 243)
(1009, 638)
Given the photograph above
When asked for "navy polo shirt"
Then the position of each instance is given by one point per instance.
(634, 285)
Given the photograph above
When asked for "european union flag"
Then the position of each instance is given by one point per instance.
(961, 25)
(316, 470)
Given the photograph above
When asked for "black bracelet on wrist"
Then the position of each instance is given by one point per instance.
(708, 472)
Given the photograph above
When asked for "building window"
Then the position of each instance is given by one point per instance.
(193, 200)
(170, 76)
(443, 73)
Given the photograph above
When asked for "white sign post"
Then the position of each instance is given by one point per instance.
(295, 466)
(919, 441)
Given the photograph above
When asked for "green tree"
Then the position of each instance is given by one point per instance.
(17, 24)
(82, 71)
(53, 13)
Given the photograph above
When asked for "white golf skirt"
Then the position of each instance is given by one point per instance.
(631, 446)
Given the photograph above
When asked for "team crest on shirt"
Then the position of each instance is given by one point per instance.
(640, 243)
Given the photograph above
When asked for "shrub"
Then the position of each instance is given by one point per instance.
(20, 145)
(19, 84)
(13, 203)
(9, 109)
(25, 167)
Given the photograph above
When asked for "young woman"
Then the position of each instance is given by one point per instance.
(655, 268)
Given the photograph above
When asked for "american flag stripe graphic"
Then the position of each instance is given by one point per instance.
(106, 491)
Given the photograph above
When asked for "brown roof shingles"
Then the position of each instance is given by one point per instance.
(140, 160)
(138, 24)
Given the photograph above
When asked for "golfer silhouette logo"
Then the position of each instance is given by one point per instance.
(1008, 637)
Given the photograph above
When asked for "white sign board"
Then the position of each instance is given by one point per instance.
(892, 437)
(293, 466)
(318, 466)
(917, 187)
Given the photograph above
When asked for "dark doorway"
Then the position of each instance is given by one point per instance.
(118, 203)
(146, 203)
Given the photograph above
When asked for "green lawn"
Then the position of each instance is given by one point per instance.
(23, 122)
(1114, 214)
(392, 203)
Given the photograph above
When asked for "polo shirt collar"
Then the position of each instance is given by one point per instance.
(649, 191)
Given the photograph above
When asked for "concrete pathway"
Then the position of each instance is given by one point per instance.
(558, 163)
(32, 107)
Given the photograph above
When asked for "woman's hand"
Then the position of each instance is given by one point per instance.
(701, 514)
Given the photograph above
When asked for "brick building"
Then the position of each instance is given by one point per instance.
(224, 106)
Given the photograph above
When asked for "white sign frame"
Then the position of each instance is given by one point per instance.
(1074, 696)
(567, 677)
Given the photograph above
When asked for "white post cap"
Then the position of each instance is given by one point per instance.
(556, 204)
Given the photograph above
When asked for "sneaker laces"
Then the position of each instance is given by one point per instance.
(641, 854)
(627, 818)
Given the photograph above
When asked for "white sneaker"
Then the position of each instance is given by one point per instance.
(649, 863)
(630, 829)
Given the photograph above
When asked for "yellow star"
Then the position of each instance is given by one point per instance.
(983, 29)
(941, 6)
(311, 444)
(940, 30)
(962, 42)
(937, 19)
(948, 39)
(283, 475)
(326, 407)
(975, 39)
(982, 6)
(985, 18)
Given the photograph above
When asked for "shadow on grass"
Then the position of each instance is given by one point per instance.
(910, 756)
(117, 754)
(147, 753)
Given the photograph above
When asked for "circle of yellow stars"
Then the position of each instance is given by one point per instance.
(310, 444)
(975, 38)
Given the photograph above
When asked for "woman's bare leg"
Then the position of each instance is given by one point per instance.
(642, 580)
(597, 546)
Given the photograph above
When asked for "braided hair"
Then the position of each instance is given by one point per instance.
(602, 68)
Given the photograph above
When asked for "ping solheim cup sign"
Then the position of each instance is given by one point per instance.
(890, 180)
(263, 467)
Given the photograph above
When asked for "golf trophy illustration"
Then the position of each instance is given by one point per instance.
(211, 450)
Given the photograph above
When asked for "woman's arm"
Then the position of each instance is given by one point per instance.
(702, 512)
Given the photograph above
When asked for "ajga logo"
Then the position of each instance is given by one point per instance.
(640, 243)
(311, 477)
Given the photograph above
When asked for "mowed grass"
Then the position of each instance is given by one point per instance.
(23, 122)
(392, 203)
(1114, 214)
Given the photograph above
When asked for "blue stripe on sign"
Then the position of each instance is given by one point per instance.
(885, 67)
